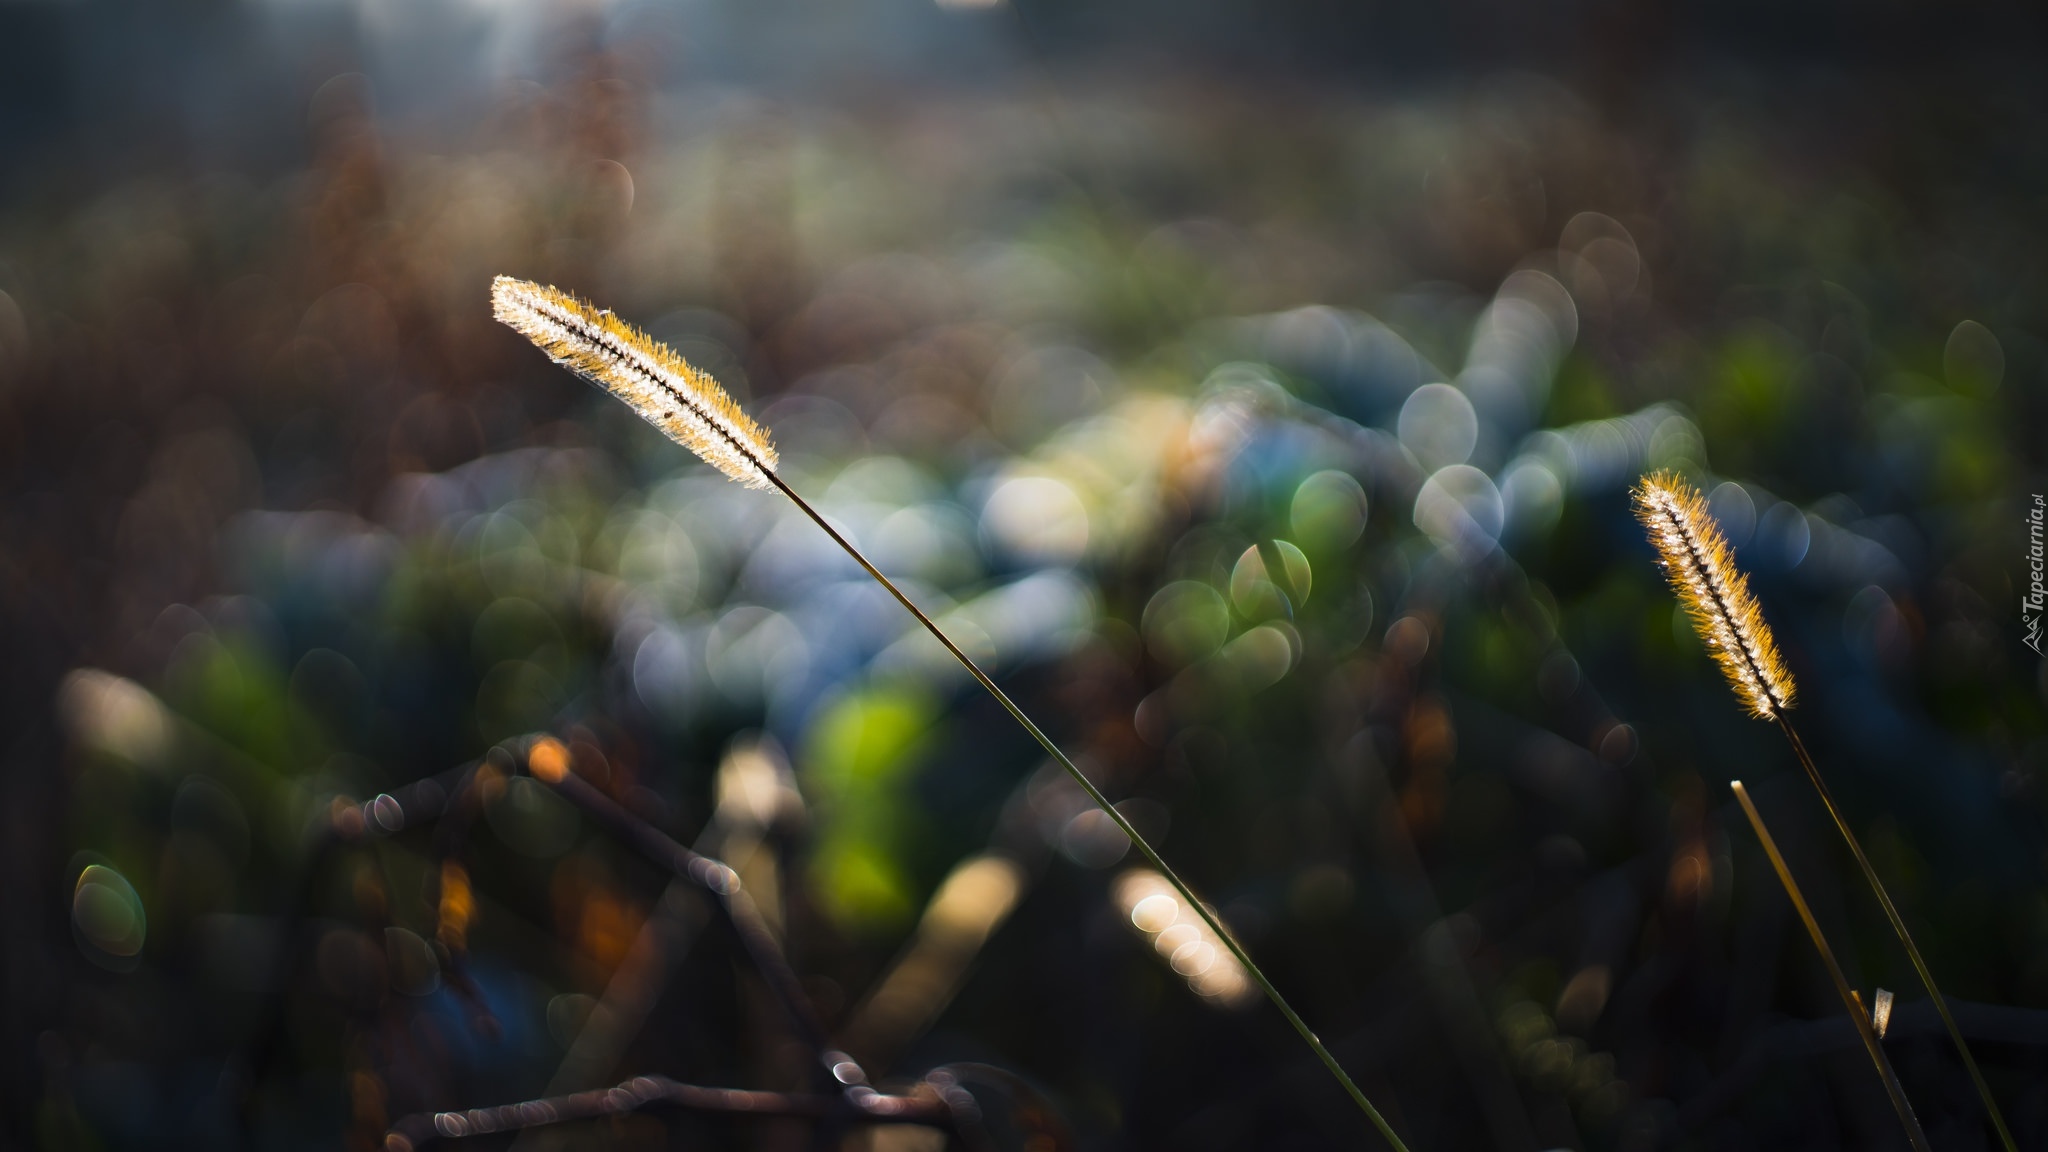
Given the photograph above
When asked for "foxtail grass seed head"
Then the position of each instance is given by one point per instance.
(1701, 567)
(685, 403)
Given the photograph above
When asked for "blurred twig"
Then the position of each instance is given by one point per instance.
(659, 947)
(723, 884)
(931, 1108)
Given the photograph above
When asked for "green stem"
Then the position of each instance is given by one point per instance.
(1857, 1015)
(1102, 802)
(1898, 926)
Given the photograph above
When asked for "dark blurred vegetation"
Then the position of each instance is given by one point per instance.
(1084, 321)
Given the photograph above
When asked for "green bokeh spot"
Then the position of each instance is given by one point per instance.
(233, 690)
(859, 756)
(866, 739)
(861, 883)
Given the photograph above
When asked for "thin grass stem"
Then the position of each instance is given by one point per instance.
(1850, 1002)
(1101, 801)
(1891, 912)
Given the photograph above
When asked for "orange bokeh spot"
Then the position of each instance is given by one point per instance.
(548, 760)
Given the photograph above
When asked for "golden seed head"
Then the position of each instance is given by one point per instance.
(661, 386)
(1701, 567)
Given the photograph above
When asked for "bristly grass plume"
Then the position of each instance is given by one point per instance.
(667, 392)
(1701, 567)
(695, 412)
(1716, 595)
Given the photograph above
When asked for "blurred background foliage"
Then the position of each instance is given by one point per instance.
(1255, 391)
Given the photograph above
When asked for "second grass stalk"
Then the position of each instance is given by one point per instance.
(1715, 593)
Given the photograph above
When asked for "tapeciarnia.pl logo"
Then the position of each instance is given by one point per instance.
(2036, 599)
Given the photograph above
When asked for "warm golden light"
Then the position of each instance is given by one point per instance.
(970, 904)
(458, 906)
(1178, 934)
(755, 785)
(548, 760)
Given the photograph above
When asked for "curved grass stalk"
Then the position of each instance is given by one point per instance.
(693, 410)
